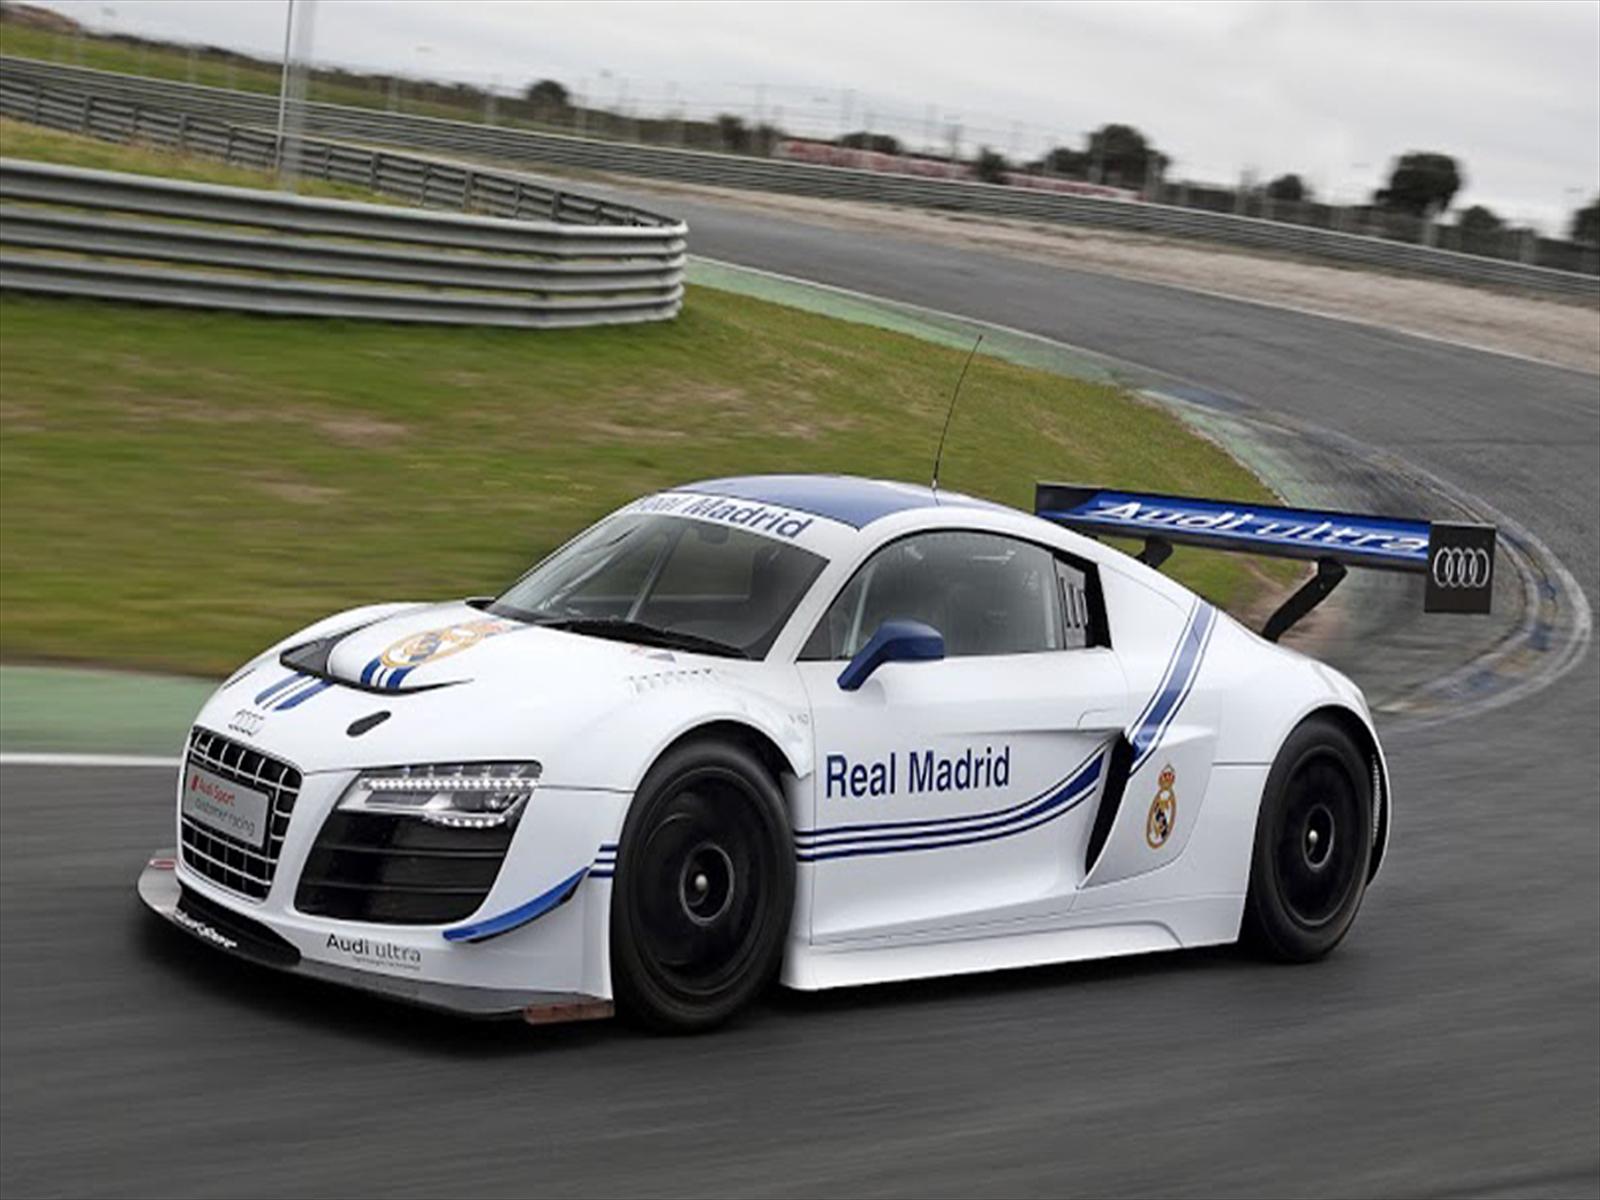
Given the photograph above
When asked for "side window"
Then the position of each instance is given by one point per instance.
(987, 594)
(1077, 607)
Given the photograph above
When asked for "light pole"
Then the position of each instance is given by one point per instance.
(283, 82)
(291, 91)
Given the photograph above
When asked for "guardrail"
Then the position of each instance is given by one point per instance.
(469, 139)
(524, 255)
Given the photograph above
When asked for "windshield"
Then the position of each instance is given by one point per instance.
(641, 573)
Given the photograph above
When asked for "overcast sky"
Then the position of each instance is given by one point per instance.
(1331, 90)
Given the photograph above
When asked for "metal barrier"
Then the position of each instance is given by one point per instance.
(469, 139)
(524, 255)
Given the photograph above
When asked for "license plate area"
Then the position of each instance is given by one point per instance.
(221, 806)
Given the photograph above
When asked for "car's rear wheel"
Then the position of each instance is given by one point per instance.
(703, 890)
(1313, 845)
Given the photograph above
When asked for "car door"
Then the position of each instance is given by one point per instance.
(953, 793)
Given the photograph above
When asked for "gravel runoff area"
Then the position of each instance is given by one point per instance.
(1565, 333)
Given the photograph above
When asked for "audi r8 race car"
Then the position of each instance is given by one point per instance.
(831, 730)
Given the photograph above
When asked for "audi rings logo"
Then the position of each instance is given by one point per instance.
(246, 722)
(1461, 567)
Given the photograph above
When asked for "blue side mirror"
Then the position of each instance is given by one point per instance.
(895, 641)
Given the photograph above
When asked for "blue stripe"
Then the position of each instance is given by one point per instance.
(521, 915)
(605, 861)
(397, 677)
(1175, 690)
(304, 694)
(1077, 790)
(370, 669)
(935, 826)
(1170, 669)
(1161, 733)
(261, 697)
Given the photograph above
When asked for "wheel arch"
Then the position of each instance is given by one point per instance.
(1360, 731)
(753, 738)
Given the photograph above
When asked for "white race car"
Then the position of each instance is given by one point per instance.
(833, 730)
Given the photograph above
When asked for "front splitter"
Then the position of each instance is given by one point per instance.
(163, 894)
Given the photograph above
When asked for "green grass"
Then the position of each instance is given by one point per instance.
(206, 69)
(25, 41)
(21, 140)
(180, 488)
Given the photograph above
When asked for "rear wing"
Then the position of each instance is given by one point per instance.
(1456, 559)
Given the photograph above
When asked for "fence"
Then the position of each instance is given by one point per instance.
(468, 139)
(513, 253)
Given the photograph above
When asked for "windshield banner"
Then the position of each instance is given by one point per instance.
(770, 520)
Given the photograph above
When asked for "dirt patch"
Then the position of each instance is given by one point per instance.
(360, 431)
(145, 408)
(296, 492)
(1558, 331)
(18, 418)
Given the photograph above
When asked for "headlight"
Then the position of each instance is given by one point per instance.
(461, 796)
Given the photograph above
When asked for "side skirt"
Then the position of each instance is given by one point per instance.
(1104, 933)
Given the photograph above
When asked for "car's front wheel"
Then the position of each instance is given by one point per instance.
(704, 888)
(1313, 845)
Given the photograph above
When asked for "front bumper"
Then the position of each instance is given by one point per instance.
(243, 937)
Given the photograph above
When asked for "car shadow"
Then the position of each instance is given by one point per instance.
(313, 1003)
(235, 983)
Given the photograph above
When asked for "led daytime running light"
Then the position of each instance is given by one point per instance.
(449, 783)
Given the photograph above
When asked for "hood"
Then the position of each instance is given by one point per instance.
(448, 644)
(448, 682)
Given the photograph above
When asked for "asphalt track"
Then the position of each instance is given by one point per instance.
(1452, 1046)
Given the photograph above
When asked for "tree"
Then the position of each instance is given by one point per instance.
(990, 167)
(1290, 188)
(1066, 162)
(1123, 155)
(1479, 220)
(547, 94)
(732, 132)
(1586, 223)
(862, 140)
(1421, 181)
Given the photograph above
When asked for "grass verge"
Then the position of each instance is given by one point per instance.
(204, 67)
(18, 139)
(178, 488)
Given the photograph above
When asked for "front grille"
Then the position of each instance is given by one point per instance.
(399, 870)
(221, 858)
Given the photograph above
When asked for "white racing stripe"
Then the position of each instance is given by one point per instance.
(17, 758)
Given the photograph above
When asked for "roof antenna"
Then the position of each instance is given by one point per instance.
(951, 412)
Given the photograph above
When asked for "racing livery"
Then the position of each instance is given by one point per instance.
(830, 730)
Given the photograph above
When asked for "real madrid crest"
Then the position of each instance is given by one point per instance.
(433, 644)
(1163, 815)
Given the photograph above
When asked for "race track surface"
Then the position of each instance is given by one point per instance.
(1451, 1046)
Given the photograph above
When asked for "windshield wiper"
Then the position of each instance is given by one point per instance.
(650, 635)
(511, 612)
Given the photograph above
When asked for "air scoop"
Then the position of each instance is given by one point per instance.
(386, 656)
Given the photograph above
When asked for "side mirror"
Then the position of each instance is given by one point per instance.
(895, 641)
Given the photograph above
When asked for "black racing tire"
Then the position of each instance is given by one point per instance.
(704, 888)
(1313, 845)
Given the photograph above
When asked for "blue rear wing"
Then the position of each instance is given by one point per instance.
(1456, 559)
